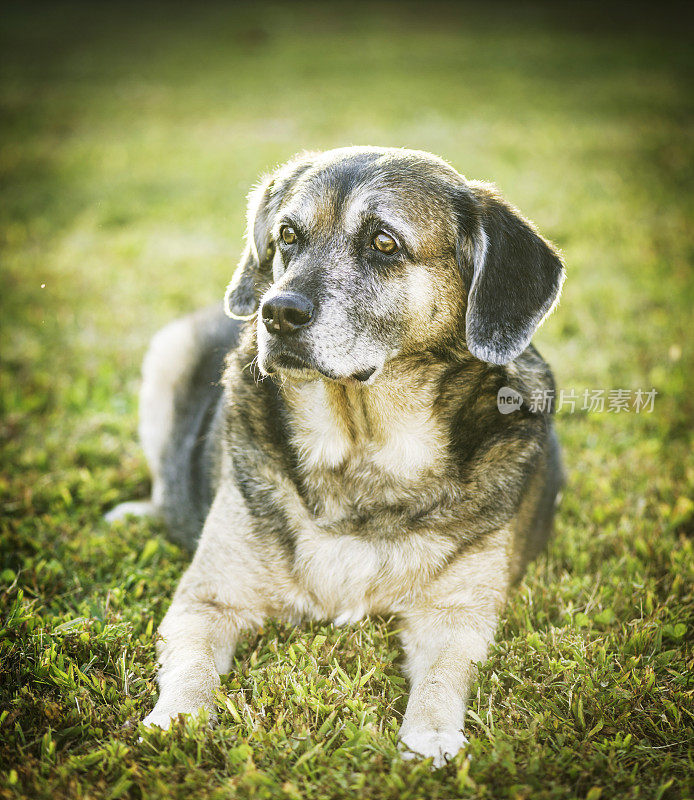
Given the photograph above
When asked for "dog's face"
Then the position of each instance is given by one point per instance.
(359, 255)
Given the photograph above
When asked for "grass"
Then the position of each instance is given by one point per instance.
(130, 137)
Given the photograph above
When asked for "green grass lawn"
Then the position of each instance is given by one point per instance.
(130, 138)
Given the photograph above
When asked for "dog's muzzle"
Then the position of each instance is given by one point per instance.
(284, 316)
(287, 313)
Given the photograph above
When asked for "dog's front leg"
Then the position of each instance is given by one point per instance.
(196, 645)
(216, 600)
(442, 648)
(444, 640)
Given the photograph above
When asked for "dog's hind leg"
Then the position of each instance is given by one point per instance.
(132, 508)
(180, 418)
(167, 366)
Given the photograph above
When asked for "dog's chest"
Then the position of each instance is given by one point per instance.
(343, 577)
(354, 554)
(344, 439)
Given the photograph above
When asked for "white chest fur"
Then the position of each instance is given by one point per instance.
(400, 438)
(353, 442)
(343, 578)
(340, 574)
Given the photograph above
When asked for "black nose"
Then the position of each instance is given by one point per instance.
(287, 312)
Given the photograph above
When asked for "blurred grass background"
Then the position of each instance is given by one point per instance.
(130, 136)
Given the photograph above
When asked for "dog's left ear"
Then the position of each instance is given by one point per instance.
(515, 280)
(240, 300)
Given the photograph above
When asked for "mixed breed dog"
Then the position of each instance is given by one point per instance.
(328, 441)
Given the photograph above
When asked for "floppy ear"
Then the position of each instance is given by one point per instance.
(240, 300)
(242, 294)
(516, 279)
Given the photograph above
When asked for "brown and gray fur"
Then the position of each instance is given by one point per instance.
(357, 464)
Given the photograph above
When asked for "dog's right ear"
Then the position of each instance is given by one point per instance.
(240, 300)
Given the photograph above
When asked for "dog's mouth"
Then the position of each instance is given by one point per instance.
(363, 375)
(286, 362)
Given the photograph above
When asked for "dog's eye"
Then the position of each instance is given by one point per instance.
(288, 234)
(384, 243)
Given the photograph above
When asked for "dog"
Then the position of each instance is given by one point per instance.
(329, 441)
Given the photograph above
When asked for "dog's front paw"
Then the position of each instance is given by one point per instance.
(159, 719)
(441, 745)
(164, 717)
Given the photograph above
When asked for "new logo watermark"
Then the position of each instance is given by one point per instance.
(508, 400)
(612, 401)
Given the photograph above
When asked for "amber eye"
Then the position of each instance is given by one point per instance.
(384, 243)
(288, 234)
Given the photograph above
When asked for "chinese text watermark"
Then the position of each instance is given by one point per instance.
(611, 401)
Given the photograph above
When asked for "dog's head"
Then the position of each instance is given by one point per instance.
(358, 255)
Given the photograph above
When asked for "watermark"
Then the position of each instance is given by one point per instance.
(508, 400)
(610, 401)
